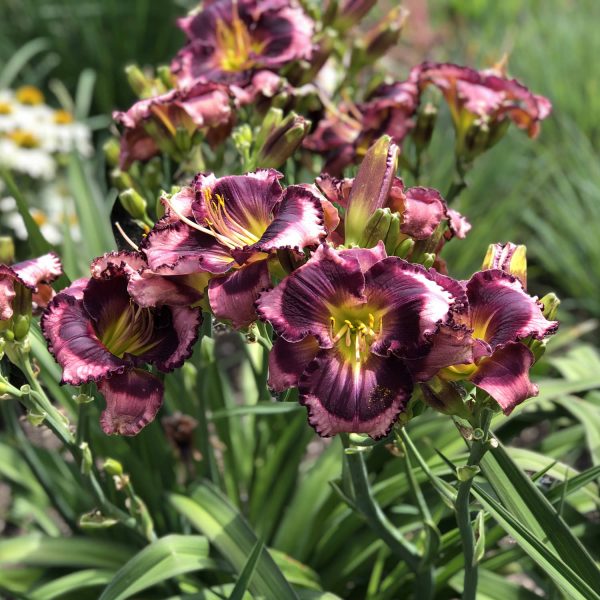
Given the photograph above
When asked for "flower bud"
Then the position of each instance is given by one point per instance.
(86, 458)
(551, 302)
(509, 257)
(113, 467)
(139, 83)
(385, 34)
(446, 397)
(352, 12)
(111, 151)
(134, 204)
(7, 250)
(21, 326)
(377, 228)
(283, 141)
(424, 127)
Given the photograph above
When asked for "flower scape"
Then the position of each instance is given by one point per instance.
(272, 198)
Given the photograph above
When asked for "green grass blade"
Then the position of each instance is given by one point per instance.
(588, 415)
(19, 59)
(245, 577)
(211, 513)
(34, 550)
(565, 578)
(526, 502)
(165, 558)
(62, 586)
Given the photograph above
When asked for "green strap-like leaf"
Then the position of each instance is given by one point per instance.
(525, 501)
(245, 577)
(163, 559)
(62, 586)
(211, 513)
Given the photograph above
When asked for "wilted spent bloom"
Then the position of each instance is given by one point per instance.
(168, 122)
(229, 39)
(347, 322)
(97, 332)
(482, 104)
(346, 133)
(230, 228)
(487, 341)
(25, 286)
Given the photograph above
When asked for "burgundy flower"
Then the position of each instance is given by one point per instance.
(485, 342)
(347, 321)
(34, 275)
(229, 39)
(347, 132)
(487, 98)
(153, 123)
(96, 332)
(228, 227)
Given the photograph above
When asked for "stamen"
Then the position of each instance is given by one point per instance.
(126, 237)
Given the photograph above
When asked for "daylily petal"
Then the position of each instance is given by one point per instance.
(422, 210)
(366, 257)
(44, 269)
(288, 360)
(413, 302)
(74, 343)
(177, 249)
(233, 296)
(298, 222)
(340, 400)
(502, 312)
(505, 376)
(298, 306)
(132, 401)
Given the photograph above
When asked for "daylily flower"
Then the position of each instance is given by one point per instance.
(485, 342)
(29, 279)
(482, 103)
(96, 332)
(420, 211)
(347, 132)
(229, 39)
(228, 227)
(170, 120)
(347, 321)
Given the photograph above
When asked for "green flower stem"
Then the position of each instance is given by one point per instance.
(37, 400)
(463, 513)
(367, 505)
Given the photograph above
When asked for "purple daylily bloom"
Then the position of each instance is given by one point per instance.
(485, 342)
(347, 132)
(228, 227)
(485, 95)
(96, 332)
(230, 39)
(153, 123)
(34, 275)
(347, 322)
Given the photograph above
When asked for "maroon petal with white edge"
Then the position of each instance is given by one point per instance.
(232, 297)
(149, 289)
(505, 376)
(74, 344)
(502, 312)
(297, 224)
(177, 249)
(411, 303)
(180, 335)
(132, 401)
(44, 269)
(300, 304)
(288, 360)
(112, 264)
(342, 400)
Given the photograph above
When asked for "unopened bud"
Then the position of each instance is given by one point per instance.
(86, 458)
(511, 258)
(133, 203)
(283, 141)
(385, 34)
(404, 248)
(111, 150)
(377, 228)
(113, 467)
(550, 302)
(423, 131)
(446, 397)
(352, 12)
(138, 82)
(21, 326)
(467, 472)
(165, 76)
(7, 250)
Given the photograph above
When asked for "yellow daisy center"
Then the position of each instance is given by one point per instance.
(5, 108)
(29, 94)
(63, 117)
(24, 139)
